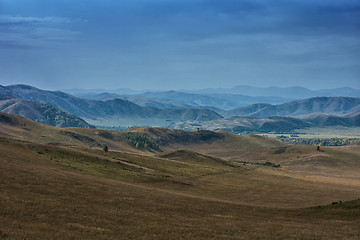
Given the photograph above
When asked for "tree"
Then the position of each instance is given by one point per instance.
(105, 149)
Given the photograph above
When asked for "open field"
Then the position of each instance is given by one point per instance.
(188, 190)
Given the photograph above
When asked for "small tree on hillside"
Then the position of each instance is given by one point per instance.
(105, 149)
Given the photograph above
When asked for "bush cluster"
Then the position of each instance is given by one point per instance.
(267, 163)
(142, 141)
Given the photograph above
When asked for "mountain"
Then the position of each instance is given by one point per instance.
(115, 112)
(220, 101)
(42, 113)
(329, 105)
(288, 92)
(272, 124)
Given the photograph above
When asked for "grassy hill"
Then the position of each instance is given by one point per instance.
(58, 183)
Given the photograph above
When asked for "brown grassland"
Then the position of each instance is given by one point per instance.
(59, 184)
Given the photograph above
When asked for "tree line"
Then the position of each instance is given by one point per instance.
(319, 141)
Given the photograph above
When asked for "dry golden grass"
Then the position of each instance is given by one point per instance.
(44, 198)
(71, 190)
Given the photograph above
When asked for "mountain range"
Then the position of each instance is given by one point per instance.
(144, 101)
(175, 109)
(113, 112)
(220, 99)
(177, 99)
(295, 92)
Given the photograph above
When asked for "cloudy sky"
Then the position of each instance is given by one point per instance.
(179, 44)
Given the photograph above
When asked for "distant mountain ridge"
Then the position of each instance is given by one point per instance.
(144, 101)
(295, 92)
(224, 101)
(329, 105)
(219, 98)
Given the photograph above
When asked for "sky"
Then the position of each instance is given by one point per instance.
(180, 44)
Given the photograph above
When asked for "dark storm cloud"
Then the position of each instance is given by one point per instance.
(167, 42)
